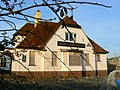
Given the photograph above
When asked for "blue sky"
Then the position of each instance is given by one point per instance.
(99, 23)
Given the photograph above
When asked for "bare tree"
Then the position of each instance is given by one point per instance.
(12, 10)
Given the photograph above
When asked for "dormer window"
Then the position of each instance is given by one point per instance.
(69, 36)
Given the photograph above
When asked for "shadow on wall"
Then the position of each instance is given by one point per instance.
(111, 67)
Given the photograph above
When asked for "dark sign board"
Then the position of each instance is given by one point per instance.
(69, 44)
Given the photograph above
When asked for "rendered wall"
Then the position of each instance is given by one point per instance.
(19, 65)
(60, 36)
(44, 58)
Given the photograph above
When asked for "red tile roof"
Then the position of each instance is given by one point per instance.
(40, 35)
(25, 29)
(67, 21)
(37, 37)
(96, 47)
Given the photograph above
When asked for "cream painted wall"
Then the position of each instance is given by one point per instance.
(102, 64)
(60, 36)
(19, 65)
(43, 59)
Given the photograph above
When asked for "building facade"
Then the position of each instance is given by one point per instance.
(50, 49)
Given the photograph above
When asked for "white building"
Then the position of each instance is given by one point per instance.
(57, 49)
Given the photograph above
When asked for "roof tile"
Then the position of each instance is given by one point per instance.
(97, 48)
(67, 21)
(40, 35)
(37, 37)
(25, 29)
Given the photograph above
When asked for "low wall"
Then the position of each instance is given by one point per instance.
(63, 73)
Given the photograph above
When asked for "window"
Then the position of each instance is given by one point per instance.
(32, 58)
(74, 37)
(70, 36)
(54, 58)
(3, 61)
(87, 59)
(66, 36)
(23, 58)
(97, 57)
(74, 59)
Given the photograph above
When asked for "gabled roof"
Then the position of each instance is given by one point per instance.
(96, 47)
(39, 36)
(24, 31)
(67, 21)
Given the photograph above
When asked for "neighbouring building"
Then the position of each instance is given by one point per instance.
(50, 49)
(113, 64)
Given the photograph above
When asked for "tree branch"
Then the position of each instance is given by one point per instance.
(53, 4)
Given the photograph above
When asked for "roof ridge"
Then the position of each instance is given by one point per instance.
(67, 21)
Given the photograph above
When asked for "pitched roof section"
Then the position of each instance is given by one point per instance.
(67, 21)
(24, 31)
(97, 48)
(71, 23)
(39, 36)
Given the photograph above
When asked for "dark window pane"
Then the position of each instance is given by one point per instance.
(24, 58)
(75, 37)
(66, 36)
(3, 62)
(54, 58)
(71, 36)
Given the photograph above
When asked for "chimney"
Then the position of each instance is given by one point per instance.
(37, 17)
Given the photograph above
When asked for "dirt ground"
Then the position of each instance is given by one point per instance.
(93, 83)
